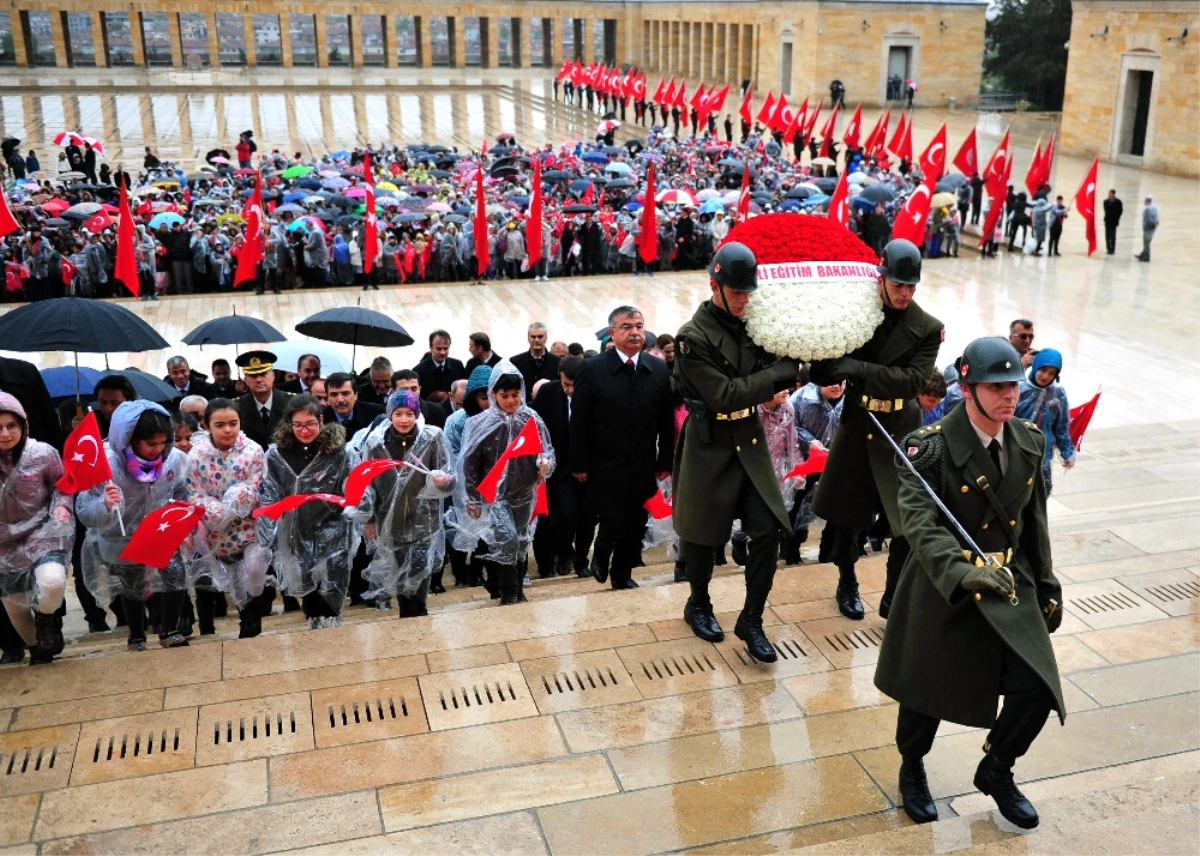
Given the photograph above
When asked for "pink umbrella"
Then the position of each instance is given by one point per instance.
(439, 206)
(219, 159)
(355, 191)
(676, 197)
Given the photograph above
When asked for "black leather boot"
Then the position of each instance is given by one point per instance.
(49, 639)
(509, 579)
(740, 551)
(994, 778)
(848, 600)
(914, 791)
(435, 583)
(749, 629)
(703, 622)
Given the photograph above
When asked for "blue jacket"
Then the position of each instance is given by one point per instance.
(816, 417)
(1047, 408)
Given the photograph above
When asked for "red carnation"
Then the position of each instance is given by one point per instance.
(777, 238)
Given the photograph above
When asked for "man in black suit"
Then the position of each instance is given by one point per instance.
(435, 413)
(375, 384)
(344, 408)
(438, 370)
(622, 440)
(308, 369)
(223, 384)
(262, 407)
(561, 541)
(1113, 209)
(480, 346)
(186, 382)
(537, 363)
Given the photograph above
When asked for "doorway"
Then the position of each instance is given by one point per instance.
(899, 62)
(1136, 112)
(785, 68)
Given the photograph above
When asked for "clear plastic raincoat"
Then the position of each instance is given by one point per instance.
(105, 576)
(406, 508)
(504, 525)
(313, 544)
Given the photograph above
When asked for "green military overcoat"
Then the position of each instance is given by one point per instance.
(860, 462)
(720, 366)
(943, 647)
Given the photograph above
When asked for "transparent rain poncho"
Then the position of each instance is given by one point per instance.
(504, 525)
(313, 544)
(227, 482)
(30, 531)
(107, 577)
(406, 508)
(780, 427)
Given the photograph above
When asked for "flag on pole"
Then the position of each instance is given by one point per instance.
(743, 203)
(648, 239)
(778, 121)
(527, 442)
(85, 464)
(999, 159)
(8, 223)
(1047, 161)
(370, 223)
(1080, 417)
(764, 112)
(897, 140)
(658, 93)
(997, 184)
(853, 130)
(160, 534)
(815, 464)
(873, 137)
(126, 268)
(1085, 202)
(910, 222)
(1033, 174)
(812, 123)
(839, 204)
(533, 228)
(276, 510)
(967, 159)
(828, 130)
(252, 250)
(744, 110)
(933, 159)
(479, 226)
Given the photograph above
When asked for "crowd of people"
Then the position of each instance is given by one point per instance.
(233, 445)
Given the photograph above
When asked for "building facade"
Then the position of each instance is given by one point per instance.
(1133, 74)
(794, 46)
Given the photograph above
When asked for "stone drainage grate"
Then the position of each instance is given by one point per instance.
(855, 640)
(787, 649)
(135, 746)
(475, 696)
(36, 760)
(681, 666)
(254, 728)
(29, 760)
(577, 681)
(676, 666)
(364, 712)
(377, 710)
(1110, 602)
(119, 747)
(1174, 592)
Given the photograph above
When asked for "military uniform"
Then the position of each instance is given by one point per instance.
(949, 652)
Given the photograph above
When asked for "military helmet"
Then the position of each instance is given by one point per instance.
(734, 267)
(901, 262)
(991, 359)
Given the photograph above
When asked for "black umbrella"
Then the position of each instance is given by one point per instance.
(798, 193)
(635, 145)
(233, 330)
(83, 185)
(878, 193)
(348, 220)
(77, 324)
(557, 175)
(436, 150)
(454, 218)
(827, 185)
(354, 326)
(441, 173)
(416, 147)
(619, 184)
(212, 153)
(410, 217)
(579, 185)
(579, 209)
(57, 221)
(341, 201)
(612, 150)
(145, 385)
(950, 183)
(503, 171)
(503, 150)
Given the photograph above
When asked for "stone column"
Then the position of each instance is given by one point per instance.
(99, 40)
(185, 124)
(214, 43)
(136, 39)
(391, 49)
(20, 48)
(176, 38)
(458, 41)
(525, 42)
(750, 51)
(250, 40)
(489, 42)
(424, 41)
(108, 120)
(719, 56)
(554, 32)
(356, 41)
(707, 54)
(62, 44)
(285, 38)
(321, 37)
(327, 131)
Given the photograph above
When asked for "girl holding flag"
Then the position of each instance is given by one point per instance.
(500, 478)
(37, 529)
(402, 507)
(147, 473)
(313, 543)
(225, 475)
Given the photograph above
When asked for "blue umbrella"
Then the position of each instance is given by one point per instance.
(309, 184)
(619, 168)
(712, 206)
(815, 199)
(410, 217)
(168, 217)
(340, 154)
(294, 196)
(598, 158)
(790, 205)
(579, 185)
(864, 204)
(633, 206)
(335, 183)
(61, 380)
(145, 385)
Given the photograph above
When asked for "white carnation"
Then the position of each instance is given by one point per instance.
(814, 319)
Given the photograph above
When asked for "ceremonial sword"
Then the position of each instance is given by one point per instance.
(1012, 598)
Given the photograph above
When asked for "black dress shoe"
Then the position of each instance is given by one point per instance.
(631, 583)
(599, 571)
(750, 630)
(564, 568)
(848, 601)
(995, 779)
(740, 552)
(703, 622)
(98, 626)
(885, 606)
(914, 792)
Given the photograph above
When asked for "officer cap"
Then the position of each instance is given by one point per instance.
(989, 360)
(734, 267)
(901, 262)
(256, 362)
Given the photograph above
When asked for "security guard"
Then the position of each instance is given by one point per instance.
(964, 630)
(723, 469)
(884, 377)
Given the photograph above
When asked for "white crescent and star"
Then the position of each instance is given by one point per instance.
(77, 457)
(916, 216)
(188, 511)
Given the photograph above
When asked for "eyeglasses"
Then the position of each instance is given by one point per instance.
(1025, 337)
(305, 426)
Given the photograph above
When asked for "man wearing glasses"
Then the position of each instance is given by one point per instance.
(1020, 336)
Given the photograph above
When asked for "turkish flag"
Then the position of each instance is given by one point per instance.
(894, 145)
(717, 102)
(933, 159)
(565, 71)
(648, 239)
(828, 130)
(527, 442)
(589, 195)
(878, 139)
(697, 96)
(533, 227)
(799, 120)
(743, 204)
(668, 97)
(680, 99)
(851, 134)
(839, 204)
(815, 464)
(85, 464)
(997, 183)
(910, 222)
(1047, 161)
(290, 503)
(782, 117)
(252, 250)
(744, 110)
(370, 224)
(1085, 202)
(160, 533)
(541, 505)
(68, 270)
(808, 128)
(764, 112)
(869, 142)
(126, 270)
(479, 221)
(362, 476)
(658, 506)
(1080, 417)
(1033, 174)
(999, 159)
(98, 222)
(657, 97)
(8, 223)
(967, 159)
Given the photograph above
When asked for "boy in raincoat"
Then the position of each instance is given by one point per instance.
(1044, 402)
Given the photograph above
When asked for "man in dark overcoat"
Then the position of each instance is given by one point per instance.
(967, 627)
